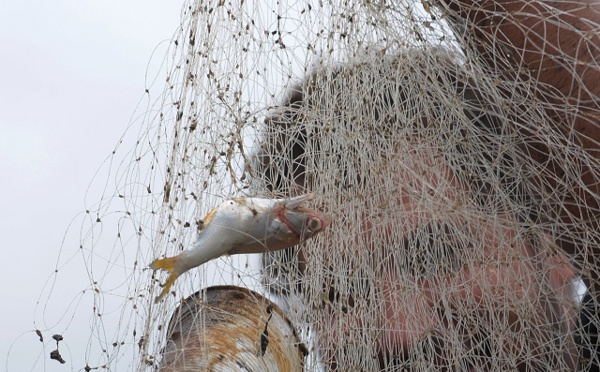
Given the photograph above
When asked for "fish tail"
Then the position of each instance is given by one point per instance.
(170, 265)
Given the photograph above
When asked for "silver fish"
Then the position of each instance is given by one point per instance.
(246, 225)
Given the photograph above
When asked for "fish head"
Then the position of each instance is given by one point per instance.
(304, 223)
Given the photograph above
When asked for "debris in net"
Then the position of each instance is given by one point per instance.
(264, 337)
(39, 333)
(55, 355)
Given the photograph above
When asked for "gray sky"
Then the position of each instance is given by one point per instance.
(71, 75)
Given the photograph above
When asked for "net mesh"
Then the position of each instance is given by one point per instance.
(454, 143)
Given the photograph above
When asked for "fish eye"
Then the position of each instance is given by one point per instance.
(314, 224)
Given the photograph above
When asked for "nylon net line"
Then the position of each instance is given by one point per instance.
(455, 145)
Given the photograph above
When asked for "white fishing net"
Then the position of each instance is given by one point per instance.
(454, 144)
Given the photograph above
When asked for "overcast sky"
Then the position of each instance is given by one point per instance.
(71, 75)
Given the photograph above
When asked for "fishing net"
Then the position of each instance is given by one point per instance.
(454, 144)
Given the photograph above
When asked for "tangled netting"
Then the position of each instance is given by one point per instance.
(455, 144)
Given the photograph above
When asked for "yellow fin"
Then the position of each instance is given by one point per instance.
(209, 217)
(167, 264)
